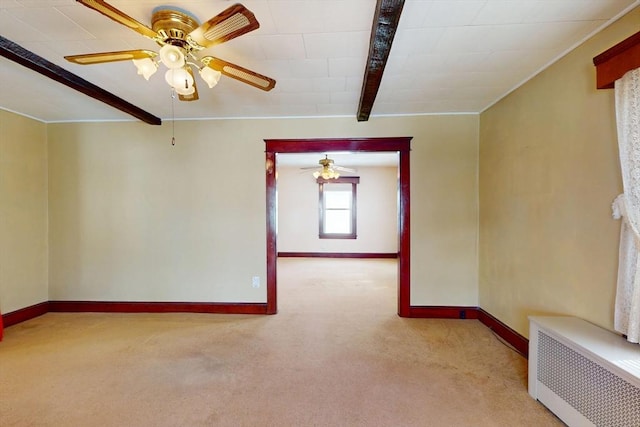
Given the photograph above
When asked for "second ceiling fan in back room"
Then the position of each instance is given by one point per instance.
(327, 169)
(181, 39)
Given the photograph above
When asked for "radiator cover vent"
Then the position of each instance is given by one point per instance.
(602, 397)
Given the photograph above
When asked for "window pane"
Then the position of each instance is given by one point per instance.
(337, 221)
(337, 199)
(337, 209)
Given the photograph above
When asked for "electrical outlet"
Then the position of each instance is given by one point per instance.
(255, 281)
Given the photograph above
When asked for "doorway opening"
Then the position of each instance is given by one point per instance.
(401, 145)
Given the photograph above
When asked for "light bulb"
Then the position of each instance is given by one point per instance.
(146, 67)
(210, 76)
(172, 56)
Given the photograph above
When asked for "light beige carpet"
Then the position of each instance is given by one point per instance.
(335, 355)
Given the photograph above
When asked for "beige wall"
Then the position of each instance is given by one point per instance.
(376, 208)
(23, 212)
(549, 171)
(133, 218)
(444, 212)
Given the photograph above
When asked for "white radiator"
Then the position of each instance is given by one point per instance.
(584, 374)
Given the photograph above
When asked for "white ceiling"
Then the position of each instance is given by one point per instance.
(448, 56)
(353, 160)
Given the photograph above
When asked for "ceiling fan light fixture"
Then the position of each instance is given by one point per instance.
(179, 79)
(326, 173)
(146, 67)
(172, 56)
(184, 91)
(180, 36)
(210, 76)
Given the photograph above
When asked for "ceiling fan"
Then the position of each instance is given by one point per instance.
(327, 169)
(181, 38)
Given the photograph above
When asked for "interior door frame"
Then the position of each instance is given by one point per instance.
(401, 145)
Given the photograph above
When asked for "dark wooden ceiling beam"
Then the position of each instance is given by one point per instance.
(385, 24)
(26, 58)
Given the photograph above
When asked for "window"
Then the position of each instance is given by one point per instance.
(337, 207)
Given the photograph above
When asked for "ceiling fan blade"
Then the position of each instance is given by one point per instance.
(232, 22)
(239, 73)
(343, 169)
(122, 55)
(111, 12)
(194, 95)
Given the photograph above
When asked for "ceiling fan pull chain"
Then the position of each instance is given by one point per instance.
(173, 118)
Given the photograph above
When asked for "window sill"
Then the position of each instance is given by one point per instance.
(337, 236)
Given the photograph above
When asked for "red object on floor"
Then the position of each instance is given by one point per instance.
(0, 326)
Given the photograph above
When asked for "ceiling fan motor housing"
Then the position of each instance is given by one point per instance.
(326, 162)
(173, 26)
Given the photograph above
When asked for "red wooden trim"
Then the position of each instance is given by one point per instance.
(517, 341)
(364, 255)
(272, 218)
(25, 314)
(443, 312)
(155, 307)
(618, 49)
(616, 61)
(319, 145)
(404, 236)
(354, 210)
(520, 343)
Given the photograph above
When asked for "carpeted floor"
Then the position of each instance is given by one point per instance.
(336, 354)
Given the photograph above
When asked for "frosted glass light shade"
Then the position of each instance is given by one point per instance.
(172, 56)
(179, 79)
(210, 76)
(185, 91)
(327, 173)
(146, 67)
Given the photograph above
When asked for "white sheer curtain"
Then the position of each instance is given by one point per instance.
(627, 206)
